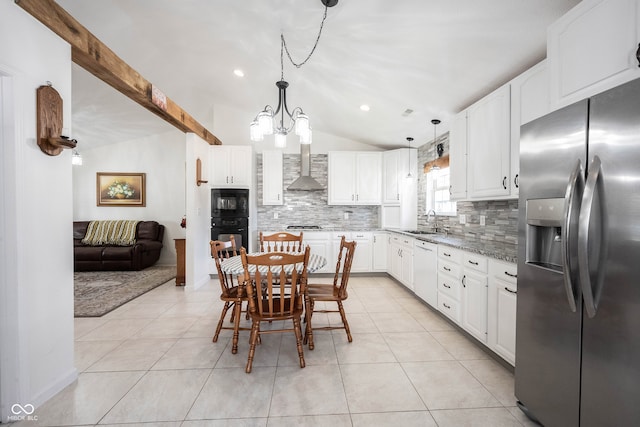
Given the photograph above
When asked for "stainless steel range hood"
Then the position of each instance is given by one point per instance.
(305, 182)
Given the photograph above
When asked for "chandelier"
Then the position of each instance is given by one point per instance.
(272, 121)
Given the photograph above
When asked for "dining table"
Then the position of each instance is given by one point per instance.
(233, 265)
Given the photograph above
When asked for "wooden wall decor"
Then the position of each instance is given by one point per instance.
(49, 122)
(440, 162)
(199, 179)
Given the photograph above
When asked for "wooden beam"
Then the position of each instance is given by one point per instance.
(94, 56)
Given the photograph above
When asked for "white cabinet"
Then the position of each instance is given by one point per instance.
(449, 286)
(363, 257)
(474, 295)
(402, 259)
(380, 250)
(488, 145)
(425, 271)
(355, 178)
(400, 193)
(592, 48)
(320, 243)
(390, 175)
(230, 166)
(272, 193)
(458, 156)
(501, 305)
(530, 99)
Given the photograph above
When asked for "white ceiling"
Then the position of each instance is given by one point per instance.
(434, 57)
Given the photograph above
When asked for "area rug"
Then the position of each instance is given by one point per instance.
(98, 292)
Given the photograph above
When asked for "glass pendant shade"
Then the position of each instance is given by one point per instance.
(306, 139)
(256, 133)
(280, 140)
(76, 158)
(265, 120)
(302, 125)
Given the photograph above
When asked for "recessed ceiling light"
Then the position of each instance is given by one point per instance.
(365, 107)
(238, 72)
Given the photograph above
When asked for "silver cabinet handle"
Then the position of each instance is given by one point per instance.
(463, 283)
(515, 276)
(570, 232)
(586, 209)
(446, 268)
(446, 286)
(446, 306)
(516, 181)
(232, 179)
(227, 179)
(504, 182)
(510, 291)
(472, 262)
(446, 254)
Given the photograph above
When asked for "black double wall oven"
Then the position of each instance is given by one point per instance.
(230, 215)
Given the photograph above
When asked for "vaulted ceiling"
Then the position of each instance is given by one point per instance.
(434, 57)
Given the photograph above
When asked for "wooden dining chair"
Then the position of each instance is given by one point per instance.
(281, 242)
(232, 294)
(332, 292)
(272, 299)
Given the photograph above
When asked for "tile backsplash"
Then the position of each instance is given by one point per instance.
(310, 207)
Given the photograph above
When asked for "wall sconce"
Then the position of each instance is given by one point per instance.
(49, 122)
(199, 179)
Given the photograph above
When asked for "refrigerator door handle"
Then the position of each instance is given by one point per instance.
(570, 232)
(590, 297)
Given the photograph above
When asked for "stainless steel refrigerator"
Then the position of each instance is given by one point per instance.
(578, 312)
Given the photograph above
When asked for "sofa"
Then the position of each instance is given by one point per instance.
(141, 253)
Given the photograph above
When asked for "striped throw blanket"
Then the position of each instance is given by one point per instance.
(111, 232)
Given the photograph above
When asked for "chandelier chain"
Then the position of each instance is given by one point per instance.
(283, 47)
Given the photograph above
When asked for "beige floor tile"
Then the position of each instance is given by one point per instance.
(190, 353)
(133, 355)
(190, 309)
(379, 387)
(266, 353)
(232, 393)
(88, 352)
(84, 325)
(342, 420)
(483, 417)
(230, 422)
(416, 347)
(358, 322)
(159, 396)
(411, 304)
(396, 322)
(166, 327)
(461, 347)
(115, 329)
(323, 353)
(432, 321)
(399, 419)
(313, 390)
(141, 310)
(205, 326)
(87, 400)
(365, 348)
(165, 424)
(448, 385)
(495, 377)
(521, 417)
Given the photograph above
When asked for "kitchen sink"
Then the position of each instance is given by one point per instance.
(419, 232)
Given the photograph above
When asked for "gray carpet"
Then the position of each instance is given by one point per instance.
(98, 292)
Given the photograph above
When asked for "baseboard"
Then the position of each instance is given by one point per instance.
(54, 388)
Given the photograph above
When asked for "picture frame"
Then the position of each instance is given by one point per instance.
(121, 189)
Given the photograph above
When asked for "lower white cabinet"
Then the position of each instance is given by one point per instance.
(320, 244)
(380, 250)
(501, 305)
(474, 295)
(425, 271)
(449, 284)
(363, 257)
(401, 258)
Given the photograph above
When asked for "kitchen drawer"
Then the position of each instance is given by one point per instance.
(504, 271)
(449, 269)
(314, 235)
(449, 254)
(337, 235)
(449, 307)
(474, 262)
(449, 286)
(361, 235)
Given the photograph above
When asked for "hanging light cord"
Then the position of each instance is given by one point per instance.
(283, 47)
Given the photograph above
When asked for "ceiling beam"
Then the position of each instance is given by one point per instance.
(94, 56)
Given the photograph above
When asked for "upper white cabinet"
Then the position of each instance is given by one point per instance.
(488, 145)
(592, 48)
(230, 166)
(400, 193)
(355, 178)
(458, 156)
(529, 100)
(391, 177)
(272, 178)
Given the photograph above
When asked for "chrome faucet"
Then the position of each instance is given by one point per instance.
(429, 213)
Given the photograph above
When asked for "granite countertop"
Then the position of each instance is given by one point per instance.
(499, 250)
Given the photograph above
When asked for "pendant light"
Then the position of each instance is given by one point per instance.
(409, 177)
(439, 147)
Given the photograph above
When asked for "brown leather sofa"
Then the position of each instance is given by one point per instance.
(144, 253)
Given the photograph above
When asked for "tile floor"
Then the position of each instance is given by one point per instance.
(151, 362)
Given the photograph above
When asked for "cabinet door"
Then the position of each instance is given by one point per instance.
(364, 252)
(379, 256)
(488, 145)
(219, 165)
(592, 49)
(506, 301)
(368, 178)
(529, 100)
(391, 189)
(407, 267)
(458, 156)
(474, 304)
(272, 178)
(341, 178)
(320, 244)
(240, 166)
(396, 260)
(425, 273)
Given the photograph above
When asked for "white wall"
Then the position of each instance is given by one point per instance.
(36, 333)
(162, 158)
(198, 253)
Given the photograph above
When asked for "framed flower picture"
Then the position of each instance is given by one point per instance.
(120, 189)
